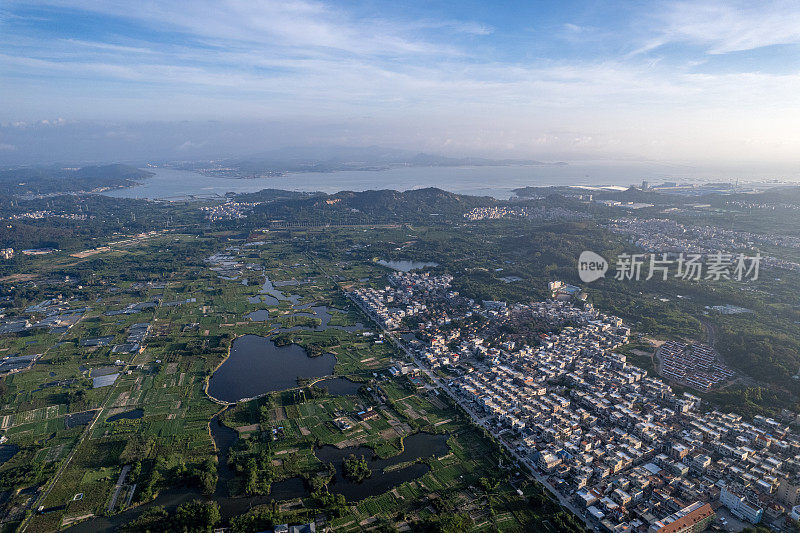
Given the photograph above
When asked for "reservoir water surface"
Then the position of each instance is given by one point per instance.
(257, 366)
(496, 181)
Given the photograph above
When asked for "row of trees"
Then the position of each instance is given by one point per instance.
(152, 475)
(195, 516)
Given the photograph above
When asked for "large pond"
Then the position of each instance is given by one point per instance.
(257, 366)
(406, 266)
(260, 315)
(273, 296)
(324, 314)
(384, 478)
(127, 415)
(339, 386)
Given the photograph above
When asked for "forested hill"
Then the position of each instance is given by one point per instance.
(274, 195)
(50, 180)
(787, 196)
(382, 206)
(631, 194)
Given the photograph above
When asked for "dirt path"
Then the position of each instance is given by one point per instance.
(711, 332)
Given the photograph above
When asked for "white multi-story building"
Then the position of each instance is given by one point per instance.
(740, 506)
(789, 491)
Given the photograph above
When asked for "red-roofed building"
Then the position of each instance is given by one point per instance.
(691, 519)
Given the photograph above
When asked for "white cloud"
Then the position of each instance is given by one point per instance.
(574, 28)
(109, 46)
(286, 23)
(417, 81)
(728, 25)
(52, 122)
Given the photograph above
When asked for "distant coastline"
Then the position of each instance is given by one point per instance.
(484, 180)
(275, 169)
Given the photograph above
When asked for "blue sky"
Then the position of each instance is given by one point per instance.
(701, 81)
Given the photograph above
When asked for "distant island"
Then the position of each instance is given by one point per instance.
(280, 162)
(44, 181)
(53, 180)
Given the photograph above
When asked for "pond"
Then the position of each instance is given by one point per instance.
(127, 415)
(224, 437)
(260, 315)
(288, 489)
(417, 446)
(269, 289)
(104, 371)
(339, 386)
(78, 419)
(420, 445)
(324, 314)
(7, 451)
(270, 300)
(406, 266)
(257, 366)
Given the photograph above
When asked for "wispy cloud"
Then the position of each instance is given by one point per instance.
(109, 46)
(464, 82)
(725, 26)
(287, 23)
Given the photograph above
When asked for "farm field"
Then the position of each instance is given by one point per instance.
(106, 428)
